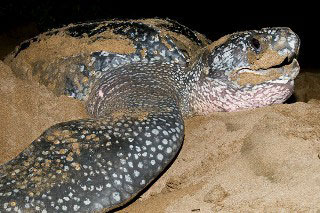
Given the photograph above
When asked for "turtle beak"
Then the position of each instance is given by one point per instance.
(284, 41)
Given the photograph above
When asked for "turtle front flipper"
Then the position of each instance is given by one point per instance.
(92, 164)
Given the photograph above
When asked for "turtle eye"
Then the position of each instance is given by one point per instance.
(255, 43)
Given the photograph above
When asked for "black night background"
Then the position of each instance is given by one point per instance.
(23, 20)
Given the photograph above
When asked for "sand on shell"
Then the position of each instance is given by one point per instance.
(264, 159)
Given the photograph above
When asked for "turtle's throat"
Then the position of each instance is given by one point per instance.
(214, 95)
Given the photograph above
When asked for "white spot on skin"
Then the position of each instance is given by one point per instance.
(165, 141)
(101, 93)
(169, 150)
(128, 178)
(160, 157)
(138, 149)
(130, 164)
(117, 182)
(116, 196)
(87, 202)
(155, 131)
(142, 182)
(136, 173)
(292, 43)
(76, 207)
(123, 161)
(99, 188)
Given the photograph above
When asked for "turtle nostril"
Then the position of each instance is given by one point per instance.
(255, 43)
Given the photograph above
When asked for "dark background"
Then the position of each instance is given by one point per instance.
(208, 17)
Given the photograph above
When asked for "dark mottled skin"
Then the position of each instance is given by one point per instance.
(137, 104)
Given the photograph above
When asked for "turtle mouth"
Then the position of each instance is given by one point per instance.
(283, 73)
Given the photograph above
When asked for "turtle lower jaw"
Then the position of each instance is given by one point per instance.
(289, 70)
(280, 74)
(286, 81)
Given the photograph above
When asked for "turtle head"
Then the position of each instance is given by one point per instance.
(247, 70)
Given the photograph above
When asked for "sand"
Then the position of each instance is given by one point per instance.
(27, 109)
(264, 159)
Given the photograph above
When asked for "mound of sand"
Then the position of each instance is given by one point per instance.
(264, 159)
(307, 86)
(27, 109)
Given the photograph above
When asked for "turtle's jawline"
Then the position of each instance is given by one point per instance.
(289, 67)
(284, 63)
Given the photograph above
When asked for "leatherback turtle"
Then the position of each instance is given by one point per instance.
(137, 100)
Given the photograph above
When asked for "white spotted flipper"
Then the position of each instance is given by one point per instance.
(90, 165)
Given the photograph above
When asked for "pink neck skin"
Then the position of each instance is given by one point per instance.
(215, 96)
